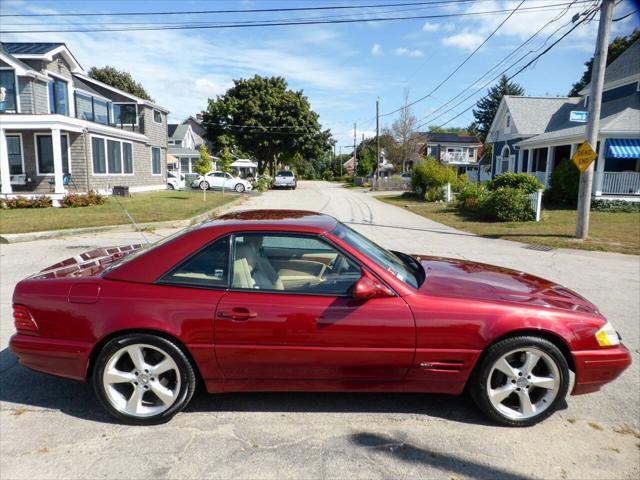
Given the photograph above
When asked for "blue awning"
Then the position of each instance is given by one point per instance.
(623, 148)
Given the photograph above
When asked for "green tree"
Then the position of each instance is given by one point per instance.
(616, 48)
(263, 117)
(203, 165)
(225, 160)
(487, 106)
(119, 79)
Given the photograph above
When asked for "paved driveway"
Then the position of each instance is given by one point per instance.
(53, 428)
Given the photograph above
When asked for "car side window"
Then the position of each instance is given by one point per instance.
(291, 264)
(208, 268)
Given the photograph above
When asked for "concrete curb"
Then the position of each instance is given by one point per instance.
(32, 236)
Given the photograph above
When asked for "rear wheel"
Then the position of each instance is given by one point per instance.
(143, 379)
(520, 381)
(171, 187)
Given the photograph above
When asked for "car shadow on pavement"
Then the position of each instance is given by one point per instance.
(26, 388)
(405, 451)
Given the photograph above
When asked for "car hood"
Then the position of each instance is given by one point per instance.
(470, 280)
(88, 264)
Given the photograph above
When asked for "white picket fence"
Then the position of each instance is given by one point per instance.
(535, 201)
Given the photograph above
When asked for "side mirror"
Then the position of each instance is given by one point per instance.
(368, 287)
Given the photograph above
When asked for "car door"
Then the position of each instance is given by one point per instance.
(290, 316)
(215, 180)
(229, 181)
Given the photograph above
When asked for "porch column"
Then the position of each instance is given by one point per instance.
(574, 147)
(599, 176)
(57, 160)
(5, 174)
(551, 152)
(520, 160)
(530, 160)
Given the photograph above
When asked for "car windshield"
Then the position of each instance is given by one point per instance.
(386, 259)
(285, 174)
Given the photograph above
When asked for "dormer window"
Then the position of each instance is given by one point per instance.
(7, 91)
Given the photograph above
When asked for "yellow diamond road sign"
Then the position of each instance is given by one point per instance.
(584, 156)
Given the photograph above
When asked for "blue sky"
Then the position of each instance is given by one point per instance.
(341, 68)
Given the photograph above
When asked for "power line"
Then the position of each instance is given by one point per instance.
(459, 66)
(248, 10)
(625, 16)
(291, 22)
(513, 52)
(528, 64)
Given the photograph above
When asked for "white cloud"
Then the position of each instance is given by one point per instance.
(376, 49)
(436, 27)
(465, 41)
(406, 52)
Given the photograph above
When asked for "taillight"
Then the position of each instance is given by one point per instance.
(23, 320)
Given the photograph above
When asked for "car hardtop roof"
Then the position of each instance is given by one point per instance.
(275, 218)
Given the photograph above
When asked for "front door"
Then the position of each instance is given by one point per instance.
(290, 316)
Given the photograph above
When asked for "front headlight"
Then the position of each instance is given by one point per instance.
(607, 336)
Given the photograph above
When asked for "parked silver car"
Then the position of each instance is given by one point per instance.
(285, 179)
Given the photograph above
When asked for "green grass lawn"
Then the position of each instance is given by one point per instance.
(612, 232)
(143, 207)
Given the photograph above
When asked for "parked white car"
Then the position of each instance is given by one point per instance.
(285, 179)
(216, 180)
(175, 181)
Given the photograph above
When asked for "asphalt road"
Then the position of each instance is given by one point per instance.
(53, 428)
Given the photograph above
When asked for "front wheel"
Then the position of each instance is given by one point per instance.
(143, 379)
(203, 185)
(520, 381)
(239, 188)
(170, 186)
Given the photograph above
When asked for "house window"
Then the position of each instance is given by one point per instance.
(508, 121)
(157, 116)
(185, 165)
(98, 153)
(177, 143)
(14, 152)
(127, 158)
(125, 114)
(44, 154)
(92, 108)
(112, 157)
(7, 91)
(156, 162)
(101, 111)
(58, 100)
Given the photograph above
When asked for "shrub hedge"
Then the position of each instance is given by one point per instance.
(615, 206)
(72, 200)
(21, 202)
(522, 181)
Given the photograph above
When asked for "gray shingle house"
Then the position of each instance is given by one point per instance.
(534, 135)
(61, 131)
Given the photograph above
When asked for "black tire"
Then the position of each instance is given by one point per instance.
(239, 188)
(203, 185)
(186, 372)
(171, 187)
(479, 380)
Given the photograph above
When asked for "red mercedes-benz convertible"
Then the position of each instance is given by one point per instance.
(291, 300)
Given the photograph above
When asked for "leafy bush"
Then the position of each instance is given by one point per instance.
(72, 200)
(565, 182)
(429, 177)
(262, 184)
(471, 198)
(521, 181)
(327, 175)
(461, 182)
(615, 206)
(21, 202)
(395, 178)
(506, 204)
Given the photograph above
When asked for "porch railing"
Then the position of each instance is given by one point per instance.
(622, 183)
(456, 157)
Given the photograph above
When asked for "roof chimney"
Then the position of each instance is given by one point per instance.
(198, 117)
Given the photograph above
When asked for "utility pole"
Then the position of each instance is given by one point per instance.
(340, 160)
(376, 176)
(354, 154)
(593, 121)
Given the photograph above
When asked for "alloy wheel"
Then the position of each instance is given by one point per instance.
(523, 383)
(141, 380)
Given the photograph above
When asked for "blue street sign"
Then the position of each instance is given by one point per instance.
(578, 116)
